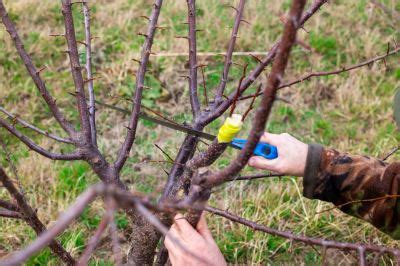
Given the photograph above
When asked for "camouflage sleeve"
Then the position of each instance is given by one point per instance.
(364, 187)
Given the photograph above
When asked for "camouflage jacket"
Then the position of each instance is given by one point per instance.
(361, 186)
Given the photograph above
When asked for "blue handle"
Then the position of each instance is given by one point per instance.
(266, 150)
(262, 149)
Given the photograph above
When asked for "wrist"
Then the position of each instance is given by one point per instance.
(311, 169)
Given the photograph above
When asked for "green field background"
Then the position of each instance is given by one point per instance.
(350, 112)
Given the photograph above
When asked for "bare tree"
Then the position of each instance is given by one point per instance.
(152, 217)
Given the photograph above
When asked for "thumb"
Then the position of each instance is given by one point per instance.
(262, 163)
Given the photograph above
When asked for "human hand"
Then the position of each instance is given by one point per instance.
(198, 241)
(292, 155)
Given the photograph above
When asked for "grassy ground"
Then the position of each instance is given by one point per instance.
(350, 112)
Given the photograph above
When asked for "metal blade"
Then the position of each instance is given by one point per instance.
(162, 122)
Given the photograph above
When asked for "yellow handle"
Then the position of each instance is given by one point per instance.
(230, 128)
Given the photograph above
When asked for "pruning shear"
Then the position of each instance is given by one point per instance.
(262, 149)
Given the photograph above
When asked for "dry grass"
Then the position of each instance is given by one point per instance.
(350, 112)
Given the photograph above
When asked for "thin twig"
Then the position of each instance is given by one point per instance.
(333, 72)
(393, 151)
(116, 247)
(8, 205)
(245, 178)
(38, 130)
(159, 161)
(194, 100)
(164, 152)
(92, 104)
(307, 240)
(133, 121)
(228, 56)
(204, 86)
(10, 214)
(235, 100)
(33, 146)
(252, 103)
(76, 69)
(12, 165)
(94, 241)
(253, 177)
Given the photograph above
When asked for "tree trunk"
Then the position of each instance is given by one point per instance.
(145, 237)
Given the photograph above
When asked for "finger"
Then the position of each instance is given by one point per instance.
(262, 163)
(202, 226)
(173, 238)
(273, 139)
(173, 257)
(171, 247)
(182, 224)
(168, 242)
(174, 233)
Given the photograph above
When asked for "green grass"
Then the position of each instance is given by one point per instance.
(350, 112)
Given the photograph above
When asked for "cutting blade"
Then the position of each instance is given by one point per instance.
(162, 122)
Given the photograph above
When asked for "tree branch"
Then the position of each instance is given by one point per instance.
(33, 72)
(333, 72)
(201, 185)
(29, 215)
(251, 106)
(194, 99)
(204, 86)
(116, 247)
(146, 51)
(94, 241)
(12, 166)
(393, 151)
(262, 114)
(123, 198)
(33, 146)
(208, 157)
(10, 214)
(64, 220)
(32, 127)
(88, 45)
(9, 206)
(253, 177)
(260, 67)
(76, 69)
(308, 240)
(228, 56)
